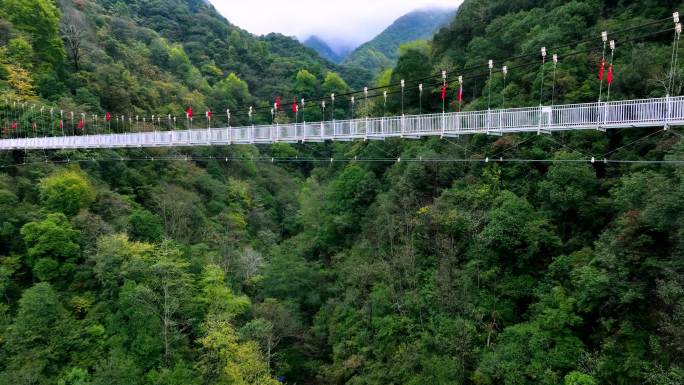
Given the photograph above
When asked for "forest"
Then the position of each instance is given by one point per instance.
(150, 270)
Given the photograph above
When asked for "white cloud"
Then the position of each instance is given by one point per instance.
(349, 22)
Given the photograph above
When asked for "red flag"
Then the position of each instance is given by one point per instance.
(277, 103)
(108, 116)
(14, 126)
(189, 112)
(81, 124)
(295, 107)
(61, 124)
(444, 89)
(610, 74)
(460, 94)
(209, 115)
(603, 69)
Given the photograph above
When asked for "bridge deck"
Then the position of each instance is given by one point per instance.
(655, 112)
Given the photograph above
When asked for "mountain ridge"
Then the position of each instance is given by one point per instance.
(382, 51)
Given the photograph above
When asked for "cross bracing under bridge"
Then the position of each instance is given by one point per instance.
(642, 113)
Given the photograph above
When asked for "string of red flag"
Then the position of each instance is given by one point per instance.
(610, 74)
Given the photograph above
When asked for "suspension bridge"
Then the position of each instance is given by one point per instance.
(546, 118)
(657, 112)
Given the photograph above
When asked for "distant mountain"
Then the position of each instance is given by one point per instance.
(323, 49)
(383, 51)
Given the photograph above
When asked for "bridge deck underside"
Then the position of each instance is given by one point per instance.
(590, 116)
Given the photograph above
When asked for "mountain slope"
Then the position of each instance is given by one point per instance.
(383, 51)
(212, 41)
(143, 55)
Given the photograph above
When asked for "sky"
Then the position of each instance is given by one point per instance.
(343, 24)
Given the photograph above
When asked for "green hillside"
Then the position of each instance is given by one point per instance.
(383, 51)
(136, 56)
(228, 265)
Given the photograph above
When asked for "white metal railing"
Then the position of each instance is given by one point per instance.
(667, 111)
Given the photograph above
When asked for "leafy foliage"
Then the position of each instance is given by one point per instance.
(66, 191)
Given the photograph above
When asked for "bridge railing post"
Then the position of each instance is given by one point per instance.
(403, 125)
(540, 120)
(668, 104)
(458, 117)
(443, 123)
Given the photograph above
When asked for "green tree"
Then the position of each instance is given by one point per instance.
(536, 352)
(229, 93)
(348, 196)
(20, 51)
(274, 323)
(567, 192)
(516, 232)
(52, 246)
(414, 63)
(67, 192)
(306, 84)
(226, 361)
(75, 376)
(578, 378)
(38, 339)
(163, 289)
(218, 299)
(111, 259)
(145, 226)
(333, 83)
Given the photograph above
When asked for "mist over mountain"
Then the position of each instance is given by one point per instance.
(383, 50)
(335, 55)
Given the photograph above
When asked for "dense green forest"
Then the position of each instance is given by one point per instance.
(245, 271)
